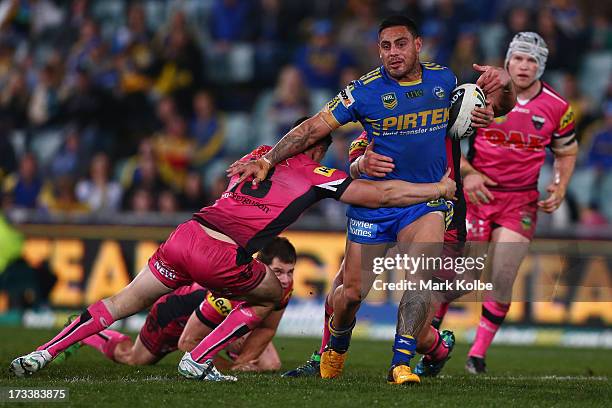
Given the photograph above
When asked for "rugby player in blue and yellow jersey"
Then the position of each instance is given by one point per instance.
(404, 106)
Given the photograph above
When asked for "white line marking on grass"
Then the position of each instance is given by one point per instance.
(533, 378)
(149, 378)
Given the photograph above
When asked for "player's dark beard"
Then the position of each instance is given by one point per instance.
(413, 71)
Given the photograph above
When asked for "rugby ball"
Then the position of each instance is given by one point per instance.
(464, 99)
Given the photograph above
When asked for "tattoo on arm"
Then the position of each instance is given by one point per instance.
(412, 312)
(294, 142)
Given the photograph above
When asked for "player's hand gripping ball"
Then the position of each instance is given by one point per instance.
(464, 99)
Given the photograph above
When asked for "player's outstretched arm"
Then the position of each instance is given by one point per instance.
(396, 193)
(294, 142)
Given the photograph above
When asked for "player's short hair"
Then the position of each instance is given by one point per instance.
(326, 141)
(399, 20)
(280, 248)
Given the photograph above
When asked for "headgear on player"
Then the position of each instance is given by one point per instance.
(531, 44)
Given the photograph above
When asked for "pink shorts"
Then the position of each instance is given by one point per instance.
(516, 210)
(191, 255)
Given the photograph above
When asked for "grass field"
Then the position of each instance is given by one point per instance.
(518, 376)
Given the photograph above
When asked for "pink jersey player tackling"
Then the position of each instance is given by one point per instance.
(501, 174)
(182, 318)
(215, 248)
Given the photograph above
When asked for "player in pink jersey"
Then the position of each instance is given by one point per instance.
(500, 179)
(173, 323)
(215, 249)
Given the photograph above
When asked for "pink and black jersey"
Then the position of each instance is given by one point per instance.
(511, 150)
(253, 216)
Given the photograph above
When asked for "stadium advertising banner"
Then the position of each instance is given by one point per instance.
(91, 263)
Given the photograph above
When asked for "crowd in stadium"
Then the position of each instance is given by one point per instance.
(109, 106)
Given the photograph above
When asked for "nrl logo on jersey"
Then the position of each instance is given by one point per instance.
(538, 121)
(389, 100)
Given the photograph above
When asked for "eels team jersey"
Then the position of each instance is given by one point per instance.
(252, 217)
(511, 150)
(407, 121)
(455, 230)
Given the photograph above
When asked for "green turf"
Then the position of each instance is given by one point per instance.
(518, 376)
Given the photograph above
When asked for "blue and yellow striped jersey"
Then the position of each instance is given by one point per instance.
(407, 120)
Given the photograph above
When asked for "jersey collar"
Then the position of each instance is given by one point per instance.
(404, 83)
(524, 102)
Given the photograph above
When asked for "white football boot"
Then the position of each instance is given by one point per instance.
(30, 363)
(206, 371)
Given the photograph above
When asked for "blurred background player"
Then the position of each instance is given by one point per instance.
(168, 325)
(501, 175)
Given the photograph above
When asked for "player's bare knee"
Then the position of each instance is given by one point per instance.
(352, 296)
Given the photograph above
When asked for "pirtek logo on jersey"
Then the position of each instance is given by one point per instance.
(414, 120)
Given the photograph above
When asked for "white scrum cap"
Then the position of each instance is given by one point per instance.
(532, 44)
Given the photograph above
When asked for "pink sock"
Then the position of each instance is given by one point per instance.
(239, 322)
(329, 310)
(441, 312)
(94, 319)
(106, 341)
(493, 314)
(439, 350)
